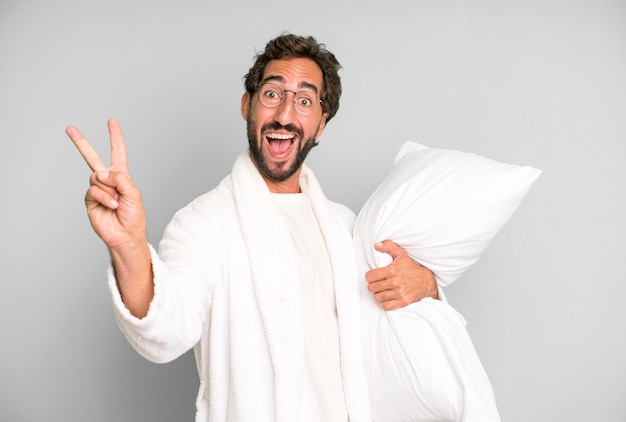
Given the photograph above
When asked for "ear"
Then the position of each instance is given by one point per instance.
(245, 105)
(322, 125)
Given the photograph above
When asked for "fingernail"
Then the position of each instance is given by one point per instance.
(103, 175)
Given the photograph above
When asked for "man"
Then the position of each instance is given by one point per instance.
(258, 274)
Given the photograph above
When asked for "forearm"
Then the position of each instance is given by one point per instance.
(133, 271)
(182, 288)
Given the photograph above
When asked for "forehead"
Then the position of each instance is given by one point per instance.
(294, 72)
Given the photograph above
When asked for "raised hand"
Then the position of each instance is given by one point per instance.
(114, 204)
(402, 282)
(117, 215)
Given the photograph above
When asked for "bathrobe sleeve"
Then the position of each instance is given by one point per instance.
(187, 270)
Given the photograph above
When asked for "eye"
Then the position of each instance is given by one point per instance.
(271, 94)
(304, 100)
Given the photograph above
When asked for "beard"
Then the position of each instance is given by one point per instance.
(284, 169)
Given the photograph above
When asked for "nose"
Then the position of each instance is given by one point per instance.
(286, 109)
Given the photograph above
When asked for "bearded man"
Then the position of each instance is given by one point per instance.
(257, 275)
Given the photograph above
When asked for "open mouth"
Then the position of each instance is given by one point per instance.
(280, 143)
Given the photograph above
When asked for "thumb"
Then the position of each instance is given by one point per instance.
(390, 248)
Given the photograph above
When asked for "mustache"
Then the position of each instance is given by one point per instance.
(277, 126)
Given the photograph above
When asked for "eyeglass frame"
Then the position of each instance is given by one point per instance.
(282, 97)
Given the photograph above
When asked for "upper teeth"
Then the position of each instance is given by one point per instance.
(279, 136)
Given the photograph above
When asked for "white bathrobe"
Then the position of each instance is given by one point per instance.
(226, 283)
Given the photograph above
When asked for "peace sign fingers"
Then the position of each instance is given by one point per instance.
(119, 160)
(113, 202)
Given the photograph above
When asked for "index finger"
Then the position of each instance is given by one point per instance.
(375, 275)
(90, 155)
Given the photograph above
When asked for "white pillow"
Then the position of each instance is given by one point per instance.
(443, 207)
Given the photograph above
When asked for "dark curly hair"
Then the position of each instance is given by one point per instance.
(295, 46)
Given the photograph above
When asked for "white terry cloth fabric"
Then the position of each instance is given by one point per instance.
(226, 281)
(443, 207)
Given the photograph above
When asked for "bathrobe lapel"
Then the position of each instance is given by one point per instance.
(276, 282)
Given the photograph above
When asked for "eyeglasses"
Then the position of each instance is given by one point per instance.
(306, 102)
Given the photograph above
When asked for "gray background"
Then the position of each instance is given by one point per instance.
(530, 82)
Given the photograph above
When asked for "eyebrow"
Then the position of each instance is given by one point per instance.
(279, 78)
